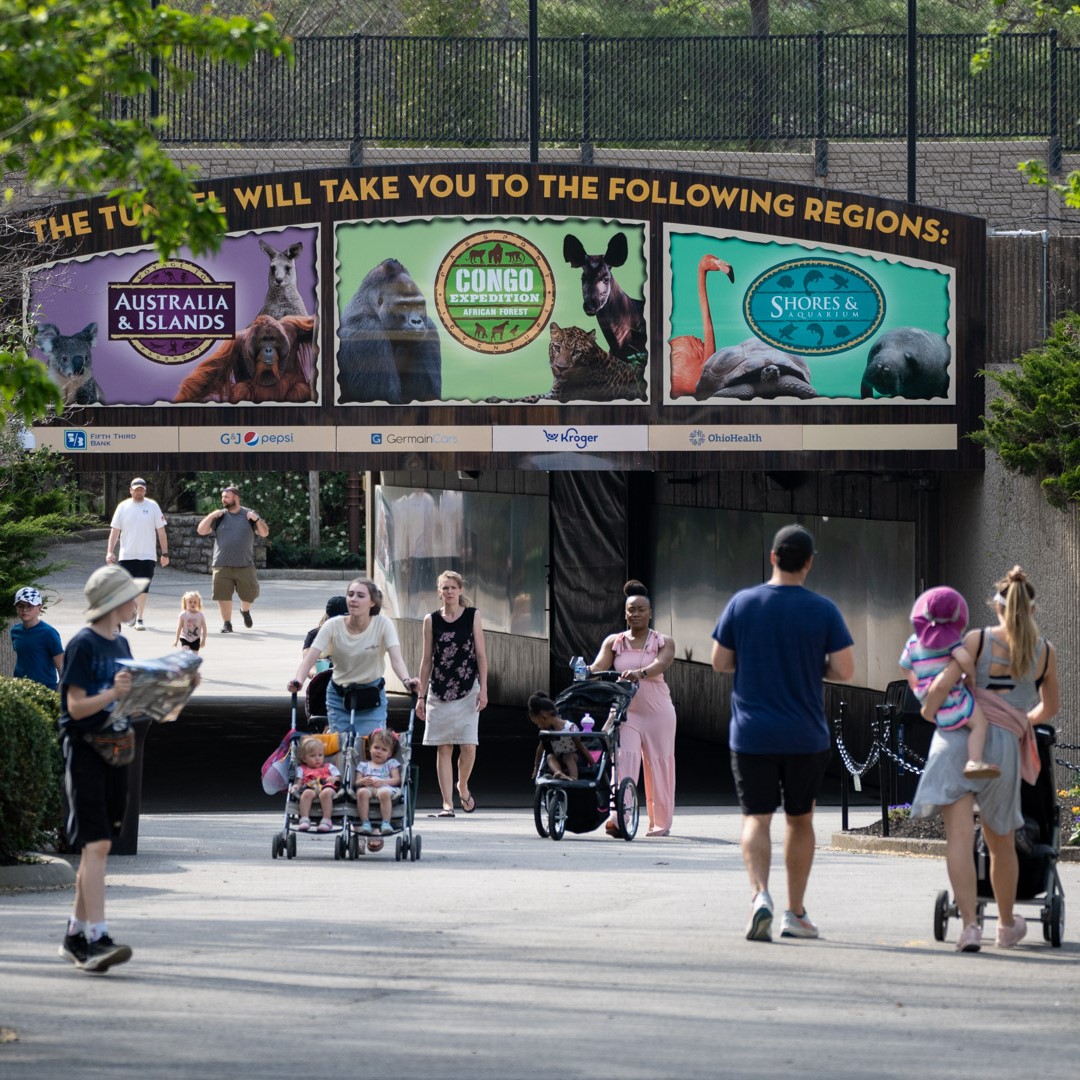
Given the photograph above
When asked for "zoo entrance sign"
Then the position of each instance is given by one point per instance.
(667, 314)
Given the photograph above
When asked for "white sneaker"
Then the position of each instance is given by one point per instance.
(759, 928)
(798, 925)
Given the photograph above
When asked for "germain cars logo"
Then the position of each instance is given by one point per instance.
(814, 307)
(376, 438)
(172, 311)
(74, 439)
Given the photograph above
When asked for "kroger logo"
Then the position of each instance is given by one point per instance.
(697, 437)
(570, 436)
(74, 439)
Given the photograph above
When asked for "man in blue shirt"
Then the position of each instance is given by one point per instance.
(781, 641)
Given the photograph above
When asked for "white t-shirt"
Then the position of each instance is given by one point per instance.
(358, 658)
(138, 523)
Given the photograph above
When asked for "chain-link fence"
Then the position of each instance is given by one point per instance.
(876, 96)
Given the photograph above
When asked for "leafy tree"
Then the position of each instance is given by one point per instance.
(1034, 425)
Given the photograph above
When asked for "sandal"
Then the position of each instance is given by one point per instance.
(325, 826)
(305, 824)
(442, 813)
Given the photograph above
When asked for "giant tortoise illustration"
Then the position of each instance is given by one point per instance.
(753, 369)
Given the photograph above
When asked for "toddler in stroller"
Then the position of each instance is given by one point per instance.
(583, 803)
(379, 775)
(316, 778)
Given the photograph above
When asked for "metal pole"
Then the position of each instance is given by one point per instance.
(912, 82)
(534, 82)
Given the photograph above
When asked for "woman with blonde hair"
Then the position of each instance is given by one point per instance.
(1016, 679)
(453, 689)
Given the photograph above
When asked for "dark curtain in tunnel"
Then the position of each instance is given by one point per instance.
(588, 564)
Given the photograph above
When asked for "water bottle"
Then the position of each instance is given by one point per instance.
(579, 668)
(587, 722)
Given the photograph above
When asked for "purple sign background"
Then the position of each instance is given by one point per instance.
(73, 294)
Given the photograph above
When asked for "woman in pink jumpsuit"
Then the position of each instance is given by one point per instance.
(642, 655)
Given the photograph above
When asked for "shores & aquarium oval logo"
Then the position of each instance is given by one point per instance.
(494, 292)
(814, 307)
(172, 311)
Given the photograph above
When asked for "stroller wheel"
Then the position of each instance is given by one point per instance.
(290, 846)
(540, 810)
(399, 849)
(941, 915)
(414, 849)
(354, 847)
(339, 846)
(1057, 920)
(626, 807)
(278, 848)
(557, 806)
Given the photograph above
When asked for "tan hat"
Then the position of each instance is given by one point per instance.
(108, 587)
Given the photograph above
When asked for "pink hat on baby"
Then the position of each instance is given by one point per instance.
(939, 616)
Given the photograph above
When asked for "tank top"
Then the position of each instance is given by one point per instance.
(1021, 693)
(454, 669)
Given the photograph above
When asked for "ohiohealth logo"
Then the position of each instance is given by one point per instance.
(697, 437)
(74, 439)
(577, 439)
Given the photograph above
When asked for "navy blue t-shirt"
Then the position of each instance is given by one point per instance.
(780, 635)
(34, 651)
(90, 662)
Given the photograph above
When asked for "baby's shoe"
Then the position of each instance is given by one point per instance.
(981, 770)
(386, 828)
(366, 828)
(325, 825)
(305, 824)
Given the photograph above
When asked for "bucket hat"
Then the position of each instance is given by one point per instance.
(939, 616)
(108, 587)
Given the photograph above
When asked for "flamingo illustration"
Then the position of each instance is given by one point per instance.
(689, 353)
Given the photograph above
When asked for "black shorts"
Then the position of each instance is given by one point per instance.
(139, 567)
(764, 781)
(192, 645)
(97, 793)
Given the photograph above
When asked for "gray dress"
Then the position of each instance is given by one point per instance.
(943, 781)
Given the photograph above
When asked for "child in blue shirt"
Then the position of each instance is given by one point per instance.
(39, 655)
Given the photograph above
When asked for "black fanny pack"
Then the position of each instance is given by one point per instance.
(360, 697)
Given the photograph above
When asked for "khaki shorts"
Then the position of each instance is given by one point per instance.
(240, 578)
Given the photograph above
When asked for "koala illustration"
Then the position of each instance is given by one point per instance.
(70, 363)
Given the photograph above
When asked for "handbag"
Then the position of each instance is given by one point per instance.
(361, 696)
(114, 743)
(275, 769)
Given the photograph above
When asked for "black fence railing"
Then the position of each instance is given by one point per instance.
(637, 93)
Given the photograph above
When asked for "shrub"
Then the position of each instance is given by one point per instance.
(31, 765)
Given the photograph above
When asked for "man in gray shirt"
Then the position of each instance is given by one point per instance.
(234, 528)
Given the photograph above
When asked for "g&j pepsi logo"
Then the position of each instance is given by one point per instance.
(251, 438)
(255, 439)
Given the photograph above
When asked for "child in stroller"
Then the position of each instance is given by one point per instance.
(584, 804)
(379, 775)
(316, 778)
(564, 755)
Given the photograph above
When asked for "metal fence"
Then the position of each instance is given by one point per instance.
(723, 92)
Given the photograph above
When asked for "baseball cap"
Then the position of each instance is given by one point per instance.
(939, 617)
(335, 606)
(794, 539)
(137, 482)
(28, 595)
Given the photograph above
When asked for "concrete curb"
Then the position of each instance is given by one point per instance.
(882, 845)
(45, 872)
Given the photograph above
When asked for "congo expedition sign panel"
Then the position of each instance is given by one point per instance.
(238, 327)
(488, 311)
(755, 318)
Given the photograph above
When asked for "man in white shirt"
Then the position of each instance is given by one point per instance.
(139, 526)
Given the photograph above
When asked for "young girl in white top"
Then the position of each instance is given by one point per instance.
(380, 776)
(191, 625)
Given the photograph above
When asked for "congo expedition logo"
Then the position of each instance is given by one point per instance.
(494, 292)
(814, 306)
(172, 311)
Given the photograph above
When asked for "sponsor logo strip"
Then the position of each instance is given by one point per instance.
(569, 437)
(880, 437)
(396, 440)
(93, 440)
(823, 437)
(262, 439)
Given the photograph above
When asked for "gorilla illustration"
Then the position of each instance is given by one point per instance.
(388, 347)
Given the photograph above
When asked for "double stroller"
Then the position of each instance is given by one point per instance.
(584, 804)
(1038, 847)
(345, 751)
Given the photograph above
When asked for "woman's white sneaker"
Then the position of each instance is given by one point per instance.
(798, 925)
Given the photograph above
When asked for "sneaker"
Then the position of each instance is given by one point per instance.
(226, 628)
(759, 928)
(304, 825)
(74, 948)
(366, 828)
(386, 828)
(970, 939)
(980, 770)
(324, 826)
(104, 954)
(132, 620)
(246, 616)
(798, 925)
(1008, 936)
(140, 625)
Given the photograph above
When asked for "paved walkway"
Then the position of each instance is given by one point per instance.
(499, 956)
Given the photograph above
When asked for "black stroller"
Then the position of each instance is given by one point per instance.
(1038, 846)
(584, 804)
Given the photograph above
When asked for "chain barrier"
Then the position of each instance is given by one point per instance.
(1065, 764)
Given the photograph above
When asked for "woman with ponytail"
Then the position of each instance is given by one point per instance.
(1016, 679)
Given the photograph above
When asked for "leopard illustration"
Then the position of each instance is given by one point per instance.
(582, 371)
